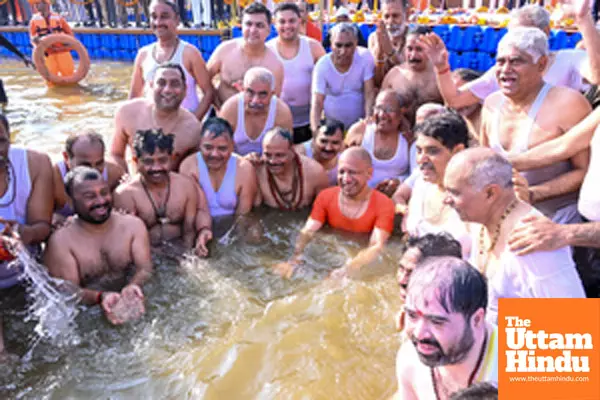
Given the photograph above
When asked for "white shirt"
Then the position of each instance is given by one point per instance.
(344, 92)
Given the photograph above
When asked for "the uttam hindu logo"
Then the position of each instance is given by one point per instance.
(523, 342)
(549, 349)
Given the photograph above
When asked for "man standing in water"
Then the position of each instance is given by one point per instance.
(286, 180)
(98, 249)
(450, 346)
(25, 206)
(163, 199)
(85, 150)
(164, 19)
(234, 57)
(162, 112)
(352, 206)
(298, 54)
(227, 180)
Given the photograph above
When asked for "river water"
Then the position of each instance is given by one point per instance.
(220, 328)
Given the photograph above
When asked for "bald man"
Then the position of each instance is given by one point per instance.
(287, 180)
(254, 111)
(351, 206)
(479, 187)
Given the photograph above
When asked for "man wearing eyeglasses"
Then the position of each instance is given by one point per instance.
(233, 58)
(254, 111)
(343, 86)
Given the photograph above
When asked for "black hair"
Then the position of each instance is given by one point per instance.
(288, 7)
(477, 391)
(467, 74)
(148, 141)
(284, 133)
(78, 175)
(4, 122)
(418, 30)
(436, 244)
(457, 285)
(175, 66)
(257, 8)
(171, 5)
(330, 126)
(449, 128)
(217, 126)
(92, 136)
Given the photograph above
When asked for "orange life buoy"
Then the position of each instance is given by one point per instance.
(40, 62)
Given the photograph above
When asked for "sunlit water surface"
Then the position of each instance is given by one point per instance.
(221, 328)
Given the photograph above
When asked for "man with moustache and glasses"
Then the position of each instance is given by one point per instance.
(99, 249)
(387, 44)
(254, 111)
(164, 20)
(26, 204)
(298, 54)
(163, 111)
(353, 207)
(416, 74)
(163, 199)
(286, 180)
(450, 346)
(343, 87)
(233, 58)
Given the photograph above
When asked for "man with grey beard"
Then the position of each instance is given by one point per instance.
(387, 44)
(451, 345)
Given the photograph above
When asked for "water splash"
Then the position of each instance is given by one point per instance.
(53, 303)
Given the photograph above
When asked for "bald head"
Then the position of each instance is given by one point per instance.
(481, 166)
(357, 154)
(259, 74)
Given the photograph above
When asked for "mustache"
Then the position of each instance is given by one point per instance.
(256, 106)
(157, 173)
(414, 60)
(426, 165)
(429, 342)
(103, 205)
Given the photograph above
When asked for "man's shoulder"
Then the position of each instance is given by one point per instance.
(565, 95)
(127, 222)
(133, 105)
(328, 194)
(226, 48)
(493, 100)
(310, 165)
(383, 202)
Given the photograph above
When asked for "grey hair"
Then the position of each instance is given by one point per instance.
(260, 74)
(494, 169)
(529, 40)
(532, 15)
(344, 27)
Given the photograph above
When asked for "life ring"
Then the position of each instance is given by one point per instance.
(39, 59)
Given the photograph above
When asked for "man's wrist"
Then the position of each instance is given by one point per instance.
(441, 70)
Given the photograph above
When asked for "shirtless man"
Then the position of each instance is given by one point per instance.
(286, 180)
(479, 187)
(416, 75)
(25, 207)
(163, 199)
(567, 67)
(162, 112)
(387, 44)
(233, 58)
(87, 150)
(343, 86)
(385, 141)
(352, 206)
(254, 111)
(228, 181)
(299, 55)
(523, 115)
(164, 19)
(325, 147)
(99, 248)
(451, 345)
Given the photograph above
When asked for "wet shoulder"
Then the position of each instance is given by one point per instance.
(133, 106)
(311, 166)
(128, 223)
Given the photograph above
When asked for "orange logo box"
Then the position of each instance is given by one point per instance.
(549, 349)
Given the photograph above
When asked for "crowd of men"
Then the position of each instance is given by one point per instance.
(495, 194)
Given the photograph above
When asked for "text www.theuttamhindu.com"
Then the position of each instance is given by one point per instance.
(549, 378)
